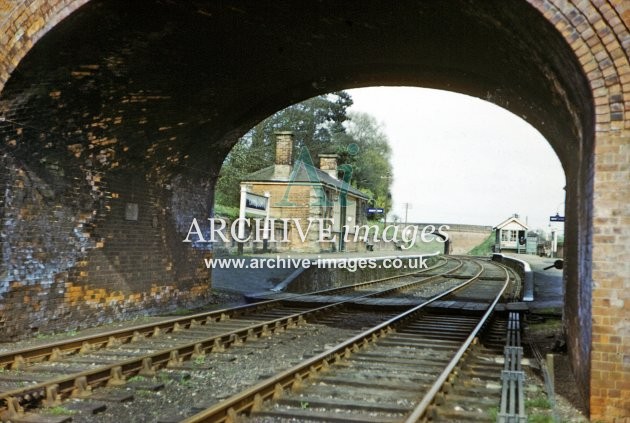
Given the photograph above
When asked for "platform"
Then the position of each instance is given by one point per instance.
(548, 284)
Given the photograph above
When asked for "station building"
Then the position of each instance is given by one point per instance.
(511, 236)
(301, 191)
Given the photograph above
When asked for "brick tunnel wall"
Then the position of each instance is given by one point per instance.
(76, 162)
(70, 258)
(597, 264)
(595, 31)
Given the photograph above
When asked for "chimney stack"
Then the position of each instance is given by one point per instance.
(284, 154)
(328, 163)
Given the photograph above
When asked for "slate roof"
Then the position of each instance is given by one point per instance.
(511, 219)
(267, 175)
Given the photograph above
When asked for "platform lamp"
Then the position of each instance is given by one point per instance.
(241, 220)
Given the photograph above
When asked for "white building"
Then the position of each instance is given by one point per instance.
(511, 235)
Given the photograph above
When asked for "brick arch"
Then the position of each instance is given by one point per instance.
(23, 23)
(597, 33)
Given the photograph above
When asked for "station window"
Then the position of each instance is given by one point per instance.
(509, 235)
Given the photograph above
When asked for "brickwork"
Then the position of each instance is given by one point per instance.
(561, 64)
(598, 33)
(302, 196)
(71, 258)
(71, 253)
(284, 148)
(24, 23)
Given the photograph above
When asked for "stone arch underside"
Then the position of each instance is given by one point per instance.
(135, 104)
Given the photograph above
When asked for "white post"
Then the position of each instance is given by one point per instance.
(241, 213)
(266, 226)
(554, 243)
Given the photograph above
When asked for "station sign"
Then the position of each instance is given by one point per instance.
(556, 218)
(374, 210)
(256, 204)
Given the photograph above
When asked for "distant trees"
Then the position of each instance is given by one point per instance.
(323, 125)
(371, 165)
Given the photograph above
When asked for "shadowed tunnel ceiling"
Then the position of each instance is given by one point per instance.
(180, 81)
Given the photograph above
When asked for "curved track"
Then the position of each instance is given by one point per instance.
(49, 373)
(392, 372)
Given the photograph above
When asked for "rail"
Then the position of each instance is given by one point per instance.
(14, 359)
(421, 409)
(252, 398)
(524, 270)
(53, 389)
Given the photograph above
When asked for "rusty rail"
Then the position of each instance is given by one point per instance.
(422, 408)
(45, 352)
(79, 384)
(252, 398)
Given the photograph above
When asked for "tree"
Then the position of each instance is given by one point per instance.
(369, 157)
(314, 123)
(322, 125)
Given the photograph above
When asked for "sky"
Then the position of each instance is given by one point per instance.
(459, 159)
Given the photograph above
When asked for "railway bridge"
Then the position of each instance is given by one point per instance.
(115, 117)
(461, 238)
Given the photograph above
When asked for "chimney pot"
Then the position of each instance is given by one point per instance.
(284, 147)
(284, 154)
(328, 163)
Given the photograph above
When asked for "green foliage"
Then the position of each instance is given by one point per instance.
(540, 418)
(538, 402)
(485, 248)
(226, 211)
(371, 166)
(144, 393)
(313, 123)
(44, 336)
(323, 125)
(59, 411)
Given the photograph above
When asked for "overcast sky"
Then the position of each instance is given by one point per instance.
(459, 159)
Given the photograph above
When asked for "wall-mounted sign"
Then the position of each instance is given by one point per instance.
(256, 204)
(131, 211)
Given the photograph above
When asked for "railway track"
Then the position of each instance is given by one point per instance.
(50, 373)
(17, 358)
(396, 371)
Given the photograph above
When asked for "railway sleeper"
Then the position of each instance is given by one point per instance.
(400, 363)
(419, 370)
(323, 416)
(334, 403)
(368, 384)
(406, 374)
